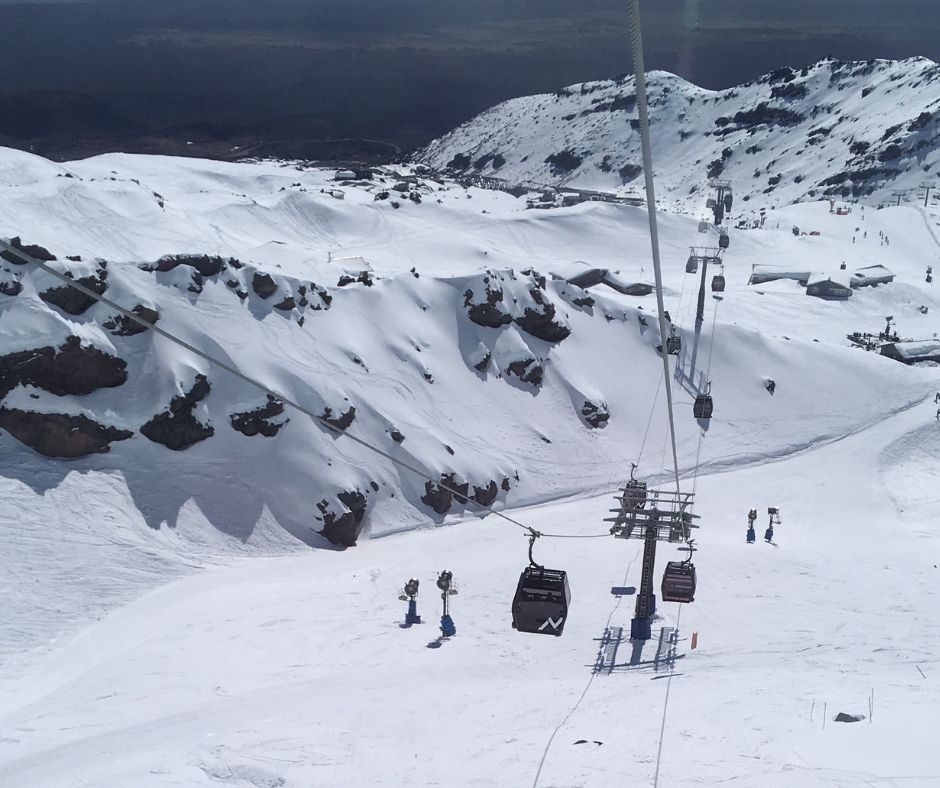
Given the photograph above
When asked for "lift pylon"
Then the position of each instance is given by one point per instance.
(656, 516)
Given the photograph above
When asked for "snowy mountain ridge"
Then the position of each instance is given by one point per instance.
(833, 129)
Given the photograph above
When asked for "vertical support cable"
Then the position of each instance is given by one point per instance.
(636, 45)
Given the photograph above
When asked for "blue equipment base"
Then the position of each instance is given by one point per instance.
(640, 629)
(412, 617)
(751, 536)
(447, 627)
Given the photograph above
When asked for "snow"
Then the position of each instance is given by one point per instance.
(174, 618)
(915, 350)
(295, 669)
(840, 129)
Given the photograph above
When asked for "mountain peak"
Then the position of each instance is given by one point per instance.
(836, 128)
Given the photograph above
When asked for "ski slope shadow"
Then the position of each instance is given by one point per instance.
(164, 489)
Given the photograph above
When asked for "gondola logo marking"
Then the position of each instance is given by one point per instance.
(555, 624)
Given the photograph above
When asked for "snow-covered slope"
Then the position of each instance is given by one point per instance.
(478, 366)
(436, 323)
(861, 129)
(294, 671)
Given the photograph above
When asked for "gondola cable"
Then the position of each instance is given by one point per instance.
(636, 45)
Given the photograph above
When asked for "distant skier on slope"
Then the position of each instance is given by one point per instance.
(936, 399)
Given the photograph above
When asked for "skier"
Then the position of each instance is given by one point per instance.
(938, 414)
(936, 399)
(771, 386)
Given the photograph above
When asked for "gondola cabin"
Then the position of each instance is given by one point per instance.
(702, 409)
(678, 582)
(691, 265)
(541, 602)
(723, 241)
(703, 226)
(718, 283)
(634, 494)
(673, 345)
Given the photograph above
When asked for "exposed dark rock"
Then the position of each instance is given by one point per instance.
(59, 434)
(205, 264)
(538, 278)
(286, 305)
(11, 288)
(484, 496)
(504, 484)
(541, 322)
(843, 717)
(342, 421)
(396, 436)
(257, 421)
(527, 370)
(343, 529)
(197, 283)
(629, 172)
(33, 250)
(263, 285)
(790, 90)
(483, 363)
(594, 414)
(73, 301)
(891, 152)
(122, 326)
(563, 162)
(490, 313)
(461, 161)
(441, 499)
(69, 369)
(178, 428)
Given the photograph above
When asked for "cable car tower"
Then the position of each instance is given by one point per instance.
(703, 255)
(653, 516)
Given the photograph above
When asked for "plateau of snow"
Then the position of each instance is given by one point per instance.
(174, 618)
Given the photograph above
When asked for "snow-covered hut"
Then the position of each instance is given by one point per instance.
(823, 286)
(913, 352)
(770, 273)
(872, 275)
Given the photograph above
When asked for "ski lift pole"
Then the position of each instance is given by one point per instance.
(700, 310)
(636, 47)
